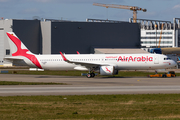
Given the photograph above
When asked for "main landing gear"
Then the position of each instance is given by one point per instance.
(91, 73)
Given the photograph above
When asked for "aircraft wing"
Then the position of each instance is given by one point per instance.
(87, 64)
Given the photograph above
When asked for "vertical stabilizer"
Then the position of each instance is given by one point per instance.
(16, 46)
(19, 49)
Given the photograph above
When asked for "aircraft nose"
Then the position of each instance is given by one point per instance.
(173, 63)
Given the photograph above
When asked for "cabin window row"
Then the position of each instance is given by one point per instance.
(86, 59)
(71, 59)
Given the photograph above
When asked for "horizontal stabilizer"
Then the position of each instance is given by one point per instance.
(13, 58)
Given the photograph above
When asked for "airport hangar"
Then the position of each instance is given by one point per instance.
(52, 36)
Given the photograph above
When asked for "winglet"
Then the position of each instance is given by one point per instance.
(77, 52)
(64, 58)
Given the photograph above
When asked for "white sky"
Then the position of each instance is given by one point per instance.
(79, 10)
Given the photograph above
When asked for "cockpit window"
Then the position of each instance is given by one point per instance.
(167, 58)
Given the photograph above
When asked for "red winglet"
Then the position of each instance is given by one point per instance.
(64, 58)
(77, 52)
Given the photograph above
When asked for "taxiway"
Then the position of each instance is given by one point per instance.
(85, 86)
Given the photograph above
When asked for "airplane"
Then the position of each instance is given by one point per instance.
(105, 64)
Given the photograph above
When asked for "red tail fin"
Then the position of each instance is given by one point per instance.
(21, 49)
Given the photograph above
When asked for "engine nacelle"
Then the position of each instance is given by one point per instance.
(108, 70)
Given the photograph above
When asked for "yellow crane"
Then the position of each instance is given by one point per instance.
(160, 35)
(133, 8)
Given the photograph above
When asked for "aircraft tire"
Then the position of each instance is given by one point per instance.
(88, 75)
(92, 74)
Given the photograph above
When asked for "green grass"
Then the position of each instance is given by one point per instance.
(29, 83)
(78, 73)
(94, 107)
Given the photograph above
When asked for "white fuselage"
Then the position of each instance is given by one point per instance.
(107, 64)
(119, 61)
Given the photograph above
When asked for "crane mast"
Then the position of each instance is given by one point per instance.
(160, 36)
(133, 8)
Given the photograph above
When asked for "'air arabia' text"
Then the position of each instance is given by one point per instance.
(133, 59)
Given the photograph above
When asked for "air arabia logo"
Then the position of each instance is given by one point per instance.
(134, 59)
(23, 52)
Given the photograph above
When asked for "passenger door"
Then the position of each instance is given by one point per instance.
(156, 59)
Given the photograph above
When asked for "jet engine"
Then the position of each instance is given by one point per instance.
(108, 70)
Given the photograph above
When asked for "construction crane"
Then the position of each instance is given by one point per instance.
(160, 35)
(133, 8)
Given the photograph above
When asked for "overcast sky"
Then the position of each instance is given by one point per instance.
(79, 10)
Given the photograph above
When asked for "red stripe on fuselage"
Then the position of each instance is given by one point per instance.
(23, 52)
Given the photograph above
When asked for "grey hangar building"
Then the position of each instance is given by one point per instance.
(53, 36)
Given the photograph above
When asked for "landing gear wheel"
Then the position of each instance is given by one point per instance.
(88, 75)
(92, 74)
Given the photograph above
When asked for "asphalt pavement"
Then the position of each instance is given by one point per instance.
(86, 86)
